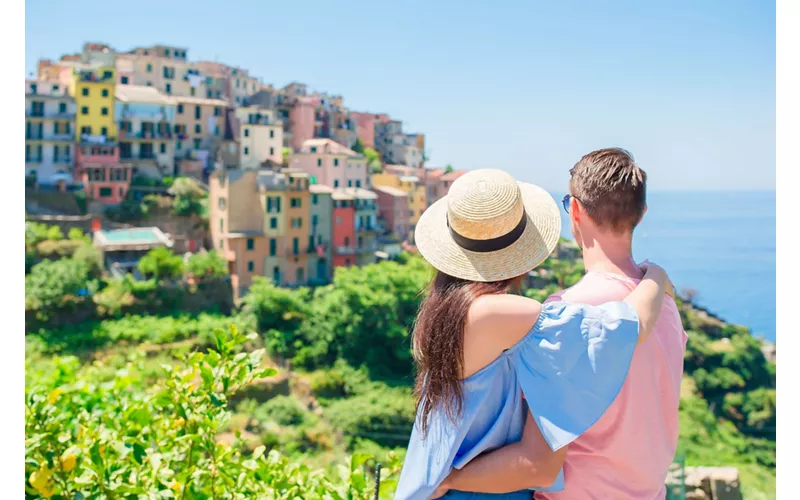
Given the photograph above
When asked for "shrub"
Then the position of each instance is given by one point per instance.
(283, 410)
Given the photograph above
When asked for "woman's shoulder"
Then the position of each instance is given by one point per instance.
(503, 319)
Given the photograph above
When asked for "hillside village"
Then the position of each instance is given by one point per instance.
(290, 182)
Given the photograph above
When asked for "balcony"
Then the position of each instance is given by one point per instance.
(370, 247)
(66, 115)
(147, 136)
(62, 160)
(96, 77)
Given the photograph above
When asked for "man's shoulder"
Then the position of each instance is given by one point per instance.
(594, 289)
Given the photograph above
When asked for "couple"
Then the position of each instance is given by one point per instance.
(576, 398)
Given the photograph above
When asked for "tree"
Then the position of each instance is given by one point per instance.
(448, 169)
(161, 263)
(277, 313)
(358, 147)
(287, 156)
(373, 160)
(53, 284)
(188, 195)
(207, 265)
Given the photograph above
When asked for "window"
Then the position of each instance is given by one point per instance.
(347, 262)
(271, 134)
(271, 151)
(124, 80)
(104, 131)
(216, 130)
(209, 94)
(198, 129)
(104, 93)
(121, 192)
(278, 204)
(221, 244)
(218, 111)
(197, 143)
(295, 202)
(85, 92)
(149, 83)
(349, 184)
(180, 109)
(313, 149)
(179, 145)
(276, 275)
(33, 88)
(319, 162)
(221, 225)
(85, 110)
(86, 130)
(250, 244)
(104, 111)
(197, 112)
(358, 165)
(295, 246)
(149, 68)
(273, 247)
(314, 220)
(247, 132)
(273, 222)
(163, 148)
(347, 241)
(105, 192)
(300, 274)
(358, 183)
(338, 220)
(168, 88)
(336, 162)
(314, 200)
(55, 128)
(62, 107)
(246, 151)
(250, 266)
(336, 183)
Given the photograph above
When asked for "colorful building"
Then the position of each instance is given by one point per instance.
(49, 131)
(93, 90)
(298, 230)
(258, 137)
(237, 225)
(199, 127)
(344, 253)
(98, 167)
(273, 203)
(302, 120)
(320, 261)
(331, 164)
(410, 184)
(365, 127)
(366, 224)
(393, 210)
(166, 69)
(146, 119)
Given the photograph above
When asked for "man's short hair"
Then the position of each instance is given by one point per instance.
(611, 187)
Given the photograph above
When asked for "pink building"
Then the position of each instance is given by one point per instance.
(331, 164)
(393, 210)
(301, 117)
(365, 127)
(97, 166)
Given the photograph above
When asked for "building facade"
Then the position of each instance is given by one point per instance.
(199, 127)
(93, 90)
(302, 120)
(331, 164)
(273, 203)
(260, 137)
(320, 261)
(98, 167)
(365, 127)
(344, 254)
(366, 224)
(146, 121)
(298, 230)
(49, 131)
(393, 209)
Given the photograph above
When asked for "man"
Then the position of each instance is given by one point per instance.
(626, 454)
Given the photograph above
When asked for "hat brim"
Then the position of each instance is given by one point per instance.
(542, 229)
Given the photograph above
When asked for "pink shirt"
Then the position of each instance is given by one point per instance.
(626, 454)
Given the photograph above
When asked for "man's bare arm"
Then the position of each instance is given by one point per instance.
(528, 463)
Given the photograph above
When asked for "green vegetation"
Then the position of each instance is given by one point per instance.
(373, 160)
(140, 395)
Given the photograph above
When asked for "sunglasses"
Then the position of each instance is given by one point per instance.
(566, 200)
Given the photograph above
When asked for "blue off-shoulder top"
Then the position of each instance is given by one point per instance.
(570, 367)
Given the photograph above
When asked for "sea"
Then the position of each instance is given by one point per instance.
(719, 244)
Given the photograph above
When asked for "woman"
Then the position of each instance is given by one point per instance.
(490, 362)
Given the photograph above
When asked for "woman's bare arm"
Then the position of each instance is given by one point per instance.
(648, 297)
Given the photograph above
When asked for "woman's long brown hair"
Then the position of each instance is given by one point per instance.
(439, 342)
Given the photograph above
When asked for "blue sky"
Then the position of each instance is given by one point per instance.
(688, 87)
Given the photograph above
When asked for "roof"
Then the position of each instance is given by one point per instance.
(451, 176)
(340, 195)
(200, 100)
(320, 189)
(329, 147)
(142, 93)
(392, 191)
(138, 238)
(361, 193)
(434, 173)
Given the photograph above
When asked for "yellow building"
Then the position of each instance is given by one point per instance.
(298, 244)
(93, 91)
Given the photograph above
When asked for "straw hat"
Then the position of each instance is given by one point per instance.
(489, 227)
